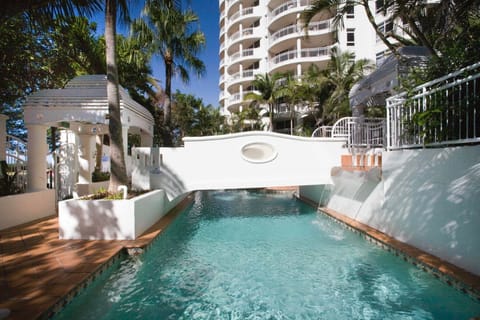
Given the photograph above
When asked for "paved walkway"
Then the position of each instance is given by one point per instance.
(37, 270)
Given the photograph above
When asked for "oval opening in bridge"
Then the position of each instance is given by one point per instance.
(259, 152)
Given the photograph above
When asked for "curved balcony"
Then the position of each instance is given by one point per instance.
(222, 47)
(282, 39)
(282, 61)
(288, 8)
(236, 100)
(221, 81)
(247, 16)
(235, 80)
(228, 4)
(242, 56)
(246, 36)
(299, 30)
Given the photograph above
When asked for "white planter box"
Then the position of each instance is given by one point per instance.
(112, 219)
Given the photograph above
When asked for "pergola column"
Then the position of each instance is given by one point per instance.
(37, 164)
(125, 141)
(86, 157)
(3, 136)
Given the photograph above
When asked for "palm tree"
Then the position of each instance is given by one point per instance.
(341, 74)
(118, 169)
(292, 93)
(268, 86)
(44, 11)
(167, 32)
(315, 89)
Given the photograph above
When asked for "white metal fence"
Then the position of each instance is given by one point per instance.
(16, 163)
(444, 111)
(357, 131)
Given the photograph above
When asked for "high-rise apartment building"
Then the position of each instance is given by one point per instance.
(267, 36)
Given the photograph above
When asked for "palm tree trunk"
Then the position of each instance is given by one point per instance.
(118, 170)
(384, 39)
(167, 109)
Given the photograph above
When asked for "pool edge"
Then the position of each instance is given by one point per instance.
(128, 247)
(456, 277)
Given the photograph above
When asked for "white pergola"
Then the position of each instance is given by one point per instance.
(81, 108)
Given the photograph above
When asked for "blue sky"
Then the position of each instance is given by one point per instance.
(207, 86)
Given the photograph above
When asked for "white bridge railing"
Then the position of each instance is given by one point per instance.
(445, 111)
(358, 131)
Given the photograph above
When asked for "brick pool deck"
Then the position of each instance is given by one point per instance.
(38, 270)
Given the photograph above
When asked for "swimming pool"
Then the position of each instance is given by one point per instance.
(254, 255)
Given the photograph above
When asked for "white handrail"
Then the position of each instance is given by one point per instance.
(440, 112)
(358, 131)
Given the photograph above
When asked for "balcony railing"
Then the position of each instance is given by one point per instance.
(444, 111)
(315, 26)
(284, 7)
(303, 53)
(244, 53)
(288, 6)
(241, 13)
(241, 34)
(244, 74)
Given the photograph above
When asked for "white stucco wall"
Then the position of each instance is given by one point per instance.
(428, 198)
(432, 201)
(34, 205)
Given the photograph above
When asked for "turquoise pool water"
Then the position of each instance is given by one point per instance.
(251, 255)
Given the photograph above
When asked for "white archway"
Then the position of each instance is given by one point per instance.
(81, 110)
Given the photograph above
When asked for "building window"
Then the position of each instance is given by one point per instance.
(382, 6)
(350, 12)
(388, 26)
(350, 37)
(379, 4)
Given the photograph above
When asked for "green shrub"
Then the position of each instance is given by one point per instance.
(98, 176)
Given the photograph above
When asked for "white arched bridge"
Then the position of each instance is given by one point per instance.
(254, 159)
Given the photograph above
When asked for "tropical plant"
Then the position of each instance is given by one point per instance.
(268, 87)
(8, 183)
(44, 11)
(190, 117)
(292, 93)
(342, 73)
(168, 33)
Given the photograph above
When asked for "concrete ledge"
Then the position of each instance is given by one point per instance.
(112, 219)
(26, 207)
